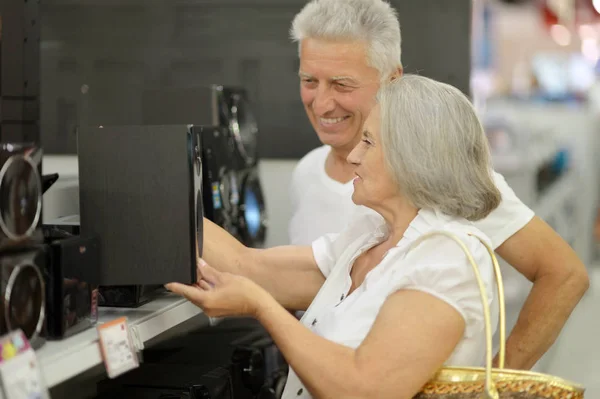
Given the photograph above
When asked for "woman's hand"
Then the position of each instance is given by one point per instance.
(221, 294)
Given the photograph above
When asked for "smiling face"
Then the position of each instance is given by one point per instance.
(373, 184)
(337, 88)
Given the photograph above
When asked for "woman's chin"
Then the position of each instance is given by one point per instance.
(356, 199)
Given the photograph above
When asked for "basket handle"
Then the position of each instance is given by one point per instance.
(490, 389)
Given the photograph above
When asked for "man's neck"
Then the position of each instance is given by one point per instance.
(337, 167)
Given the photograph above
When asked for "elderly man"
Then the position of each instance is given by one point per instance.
(347, 49)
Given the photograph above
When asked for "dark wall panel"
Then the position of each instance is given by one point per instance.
(97, 55)
(19, 71)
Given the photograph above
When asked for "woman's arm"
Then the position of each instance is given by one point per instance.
(412, 337)
(289, 273)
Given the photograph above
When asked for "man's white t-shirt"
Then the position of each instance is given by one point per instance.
(321, 205)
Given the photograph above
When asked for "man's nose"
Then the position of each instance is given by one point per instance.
(324, 101)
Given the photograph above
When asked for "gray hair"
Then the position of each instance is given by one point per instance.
(435, 147)
(372, 21)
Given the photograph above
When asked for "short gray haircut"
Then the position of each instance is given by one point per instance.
(372, 21)
(435, 147)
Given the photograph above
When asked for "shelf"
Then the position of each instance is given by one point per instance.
(65, 359)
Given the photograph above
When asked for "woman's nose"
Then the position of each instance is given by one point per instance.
(354, 156)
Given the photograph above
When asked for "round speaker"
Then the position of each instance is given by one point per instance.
(252, 214)
(236, 114)
(225, 199)
(20, 197)
(25, 301)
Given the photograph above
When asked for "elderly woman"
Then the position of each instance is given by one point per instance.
(382, 317)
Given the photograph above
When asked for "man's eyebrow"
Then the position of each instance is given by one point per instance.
(367, 134)
(334, 78)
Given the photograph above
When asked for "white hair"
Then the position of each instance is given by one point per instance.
(372, 21)
(435, 147)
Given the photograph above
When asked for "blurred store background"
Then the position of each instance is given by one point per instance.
(534, 80)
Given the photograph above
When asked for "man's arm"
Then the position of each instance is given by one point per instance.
(289, 273)
(559, 281)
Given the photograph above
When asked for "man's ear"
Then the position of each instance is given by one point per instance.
(397, 74)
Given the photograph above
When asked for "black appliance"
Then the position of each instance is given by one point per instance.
(127, 296)
(154, 381)
(252, 216)
(22, 294)
(141, 194)
(48, 181)
(69, 276)
(227, 107)
(20, 195)
(258, 370)
(22, 261)
(72, 265)
(221, 187)
(237, 115)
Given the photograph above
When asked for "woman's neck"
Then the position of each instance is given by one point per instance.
(398, 217)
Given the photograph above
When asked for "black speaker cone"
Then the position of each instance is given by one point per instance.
(24, 300)
(20, 197)
(252, 216)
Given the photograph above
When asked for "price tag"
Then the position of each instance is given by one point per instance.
(117, 347)
(20, 375)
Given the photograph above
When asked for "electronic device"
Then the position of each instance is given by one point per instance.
(240, 120)
(126, 296)
(71, 269)
(20, 195)
(252, 216)
(230, 108)
(221, 196)
(213, 105)
(22, 262)
(48, 181)
(154, 381)
(71, 273)
(141, 194)
(258, 370)
(22, 294)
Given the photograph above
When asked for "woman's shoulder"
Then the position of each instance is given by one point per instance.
(438, 264)
(438, 261)
(438, 237)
